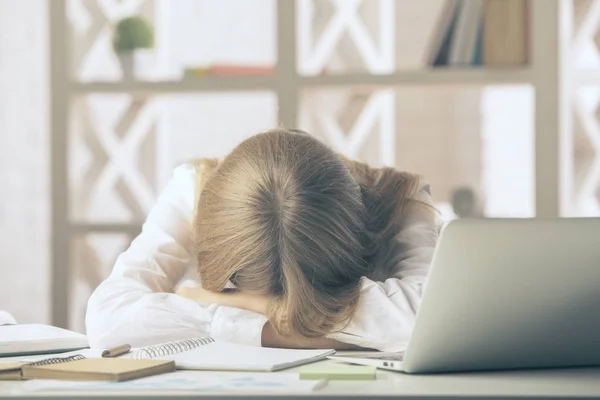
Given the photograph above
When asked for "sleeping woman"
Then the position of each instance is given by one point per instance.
(294, 246)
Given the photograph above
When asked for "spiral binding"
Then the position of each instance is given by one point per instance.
(56, 360)
(169, 348)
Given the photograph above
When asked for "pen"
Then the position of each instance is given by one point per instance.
(116, 351)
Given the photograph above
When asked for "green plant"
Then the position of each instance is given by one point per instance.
(133, 33)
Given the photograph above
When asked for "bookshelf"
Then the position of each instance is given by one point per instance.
(546, 72)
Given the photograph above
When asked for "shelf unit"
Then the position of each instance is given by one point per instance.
(546, 73)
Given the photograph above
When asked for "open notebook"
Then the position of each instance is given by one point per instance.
(26, 339)
(205, 354)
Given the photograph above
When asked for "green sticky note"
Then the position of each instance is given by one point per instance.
(339, 373)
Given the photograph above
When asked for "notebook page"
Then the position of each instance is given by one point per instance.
(235, 357)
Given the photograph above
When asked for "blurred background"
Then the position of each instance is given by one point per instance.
(494, 102)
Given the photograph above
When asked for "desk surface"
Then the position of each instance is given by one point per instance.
(534, 384)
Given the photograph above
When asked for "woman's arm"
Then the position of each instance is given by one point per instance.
(258, 304)
(136, 303)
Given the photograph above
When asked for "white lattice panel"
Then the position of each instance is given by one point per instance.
(586, 109)
(188, 33)
(345, 34)
(118, 180)
(124, 147)
(359, 125)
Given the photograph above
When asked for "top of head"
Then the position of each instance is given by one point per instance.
(284, 214)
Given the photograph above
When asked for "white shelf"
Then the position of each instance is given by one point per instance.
(441, 76)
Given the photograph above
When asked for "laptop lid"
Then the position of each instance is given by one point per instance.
(510, 293)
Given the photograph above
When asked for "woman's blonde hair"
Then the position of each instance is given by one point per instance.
(284, 215)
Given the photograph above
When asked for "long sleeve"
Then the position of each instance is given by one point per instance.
(387, 309)
(136, 303)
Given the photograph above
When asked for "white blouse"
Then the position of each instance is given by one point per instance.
(136, 304)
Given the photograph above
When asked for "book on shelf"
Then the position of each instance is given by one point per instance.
(481, 32)
(469, 18)
(505, 33)
(230, 70)
(419, 23)
(445, 37)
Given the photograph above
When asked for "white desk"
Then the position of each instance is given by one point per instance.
(529, 385)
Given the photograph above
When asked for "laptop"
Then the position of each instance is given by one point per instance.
(506, 294)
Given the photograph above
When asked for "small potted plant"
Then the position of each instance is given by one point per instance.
(131, 34)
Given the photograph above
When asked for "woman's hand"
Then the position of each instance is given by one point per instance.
(245, 301)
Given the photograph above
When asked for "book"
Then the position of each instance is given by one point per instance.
(418, 25)
(96, 369)
(478, 56)
(230, 70)
(505, 39)
(464, 42)
(442, 57)
(204, 353)
(474, 35)
(235, 70)
(17, 340)
(441, 32)
(462, 15)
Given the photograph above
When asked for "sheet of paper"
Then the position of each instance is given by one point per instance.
(189, 381)
(6, 318)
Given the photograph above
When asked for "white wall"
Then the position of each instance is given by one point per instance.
(24, 161)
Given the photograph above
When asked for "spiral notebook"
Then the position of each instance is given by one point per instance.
(78, 367)
(14, 370)
(204, 353)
